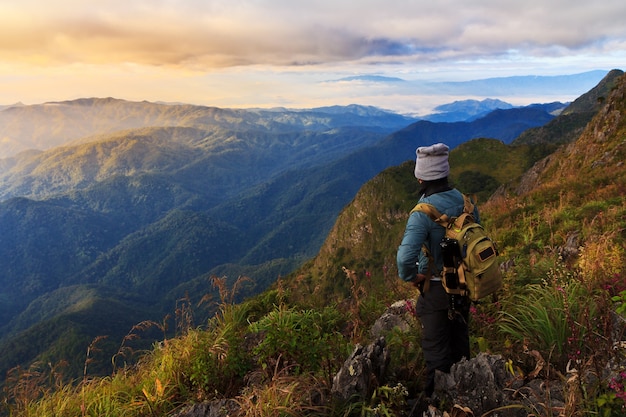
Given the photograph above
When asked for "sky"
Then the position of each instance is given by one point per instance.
(296, 53)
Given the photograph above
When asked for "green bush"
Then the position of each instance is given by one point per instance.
(303, 341)
(219, 360)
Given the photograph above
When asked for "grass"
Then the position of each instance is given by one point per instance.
(292, 353)
(275, 354)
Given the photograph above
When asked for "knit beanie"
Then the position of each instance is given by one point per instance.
(432, 162)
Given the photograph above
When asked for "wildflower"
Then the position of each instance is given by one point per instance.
(617, 385)
(410, 308)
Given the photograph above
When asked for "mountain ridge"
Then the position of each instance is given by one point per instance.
(121, 114)
(364, 238)
(108, 115)
(146, 224)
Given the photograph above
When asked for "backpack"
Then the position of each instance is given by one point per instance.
(470, 266)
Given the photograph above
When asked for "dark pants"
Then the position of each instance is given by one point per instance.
(445, 339)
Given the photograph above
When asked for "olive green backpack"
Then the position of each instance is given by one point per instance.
(473, 270)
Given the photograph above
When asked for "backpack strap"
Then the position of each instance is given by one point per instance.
(468, 206)
(432, 212)
(428, 209)
(457, 223)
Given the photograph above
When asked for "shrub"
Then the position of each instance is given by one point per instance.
(219, 359)
(304, 341)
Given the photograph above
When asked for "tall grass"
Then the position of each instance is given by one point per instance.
(558, 318)
(285, 396)
(538, 319)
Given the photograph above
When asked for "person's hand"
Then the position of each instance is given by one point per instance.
(419, 278)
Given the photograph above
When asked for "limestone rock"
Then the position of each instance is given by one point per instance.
(397, 315)
(362, 372)
(477, 383)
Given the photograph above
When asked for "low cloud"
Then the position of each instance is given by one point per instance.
(200, 34)
(242, 53)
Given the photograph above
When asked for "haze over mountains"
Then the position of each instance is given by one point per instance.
(129, 206)
(46, 124)
(497, 87)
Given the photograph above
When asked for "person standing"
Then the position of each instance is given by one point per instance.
(445, 336)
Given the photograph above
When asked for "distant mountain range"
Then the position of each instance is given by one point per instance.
(17, 137)
(494, 87)
(128, 207)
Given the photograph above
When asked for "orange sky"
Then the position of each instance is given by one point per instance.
(265, 53)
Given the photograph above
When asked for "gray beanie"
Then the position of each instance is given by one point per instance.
(432, 162)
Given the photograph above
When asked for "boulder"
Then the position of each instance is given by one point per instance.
(399, 315)
(362, 372)
(477, 383)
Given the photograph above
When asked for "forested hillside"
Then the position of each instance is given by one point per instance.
(125, 225)
(558, 327)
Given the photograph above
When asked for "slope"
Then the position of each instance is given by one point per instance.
(232, 160)
(49, 125)
(574, 118)
(201, 220)
(354, 272)
(291, 214)
(579, 194)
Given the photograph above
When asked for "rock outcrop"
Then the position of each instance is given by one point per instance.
(362, 372)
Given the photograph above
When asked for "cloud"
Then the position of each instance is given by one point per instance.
(249, 53)
(197, 34)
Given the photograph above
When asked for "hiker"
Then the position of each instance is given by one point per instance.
(445, 336)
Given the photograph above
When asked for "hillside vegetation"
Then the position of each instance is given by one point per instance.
(147, 202)
(563, 246)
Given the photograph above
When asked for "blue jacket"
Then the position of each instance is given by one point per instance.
(421, 229)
